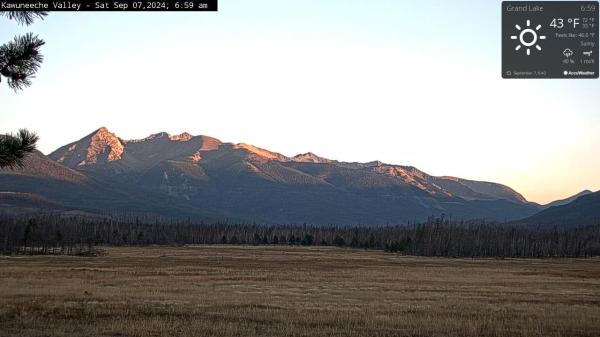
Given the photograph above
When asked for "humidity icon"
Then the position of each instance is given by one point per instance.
(528, 37)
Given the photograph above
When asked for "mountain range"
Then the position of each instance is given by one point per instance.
(202, 178)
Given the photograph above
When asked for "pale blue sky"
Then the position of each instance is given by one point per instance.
(406, 82)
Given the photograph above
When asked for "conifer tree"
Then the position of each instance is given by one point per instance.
(14, 148)
(21, 58)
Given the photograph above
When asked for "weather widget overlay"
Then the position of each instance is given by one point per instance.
(550, 39)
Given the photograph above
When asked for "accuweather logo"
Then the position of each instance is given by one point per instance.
(579, 73)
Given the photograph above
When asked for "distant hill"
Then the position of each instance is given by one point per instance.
(567, 200)
(585, 210)
(201, 177)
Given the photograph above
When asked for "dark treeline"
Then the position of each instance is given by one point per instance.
(47, 234)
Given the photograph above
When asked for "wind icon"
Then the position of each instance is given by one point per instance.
(528, 37)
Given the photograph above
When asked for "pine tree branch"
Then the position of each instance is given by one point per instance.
(24, 17)
(14, 148)
(20, 59)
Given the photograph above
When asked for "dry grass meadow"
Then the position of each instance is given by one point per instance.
(294, 291)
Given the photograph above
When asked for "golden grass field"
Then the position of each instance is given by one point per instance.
(294, 291)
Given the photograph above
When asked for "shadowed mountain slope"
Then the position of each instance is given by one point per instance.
(567, 200)
(585, 210)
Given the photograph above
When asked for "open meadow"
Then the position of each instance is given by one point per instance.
(294, 291)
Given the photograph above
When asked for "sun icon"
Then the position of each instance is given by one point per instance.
(528, 37)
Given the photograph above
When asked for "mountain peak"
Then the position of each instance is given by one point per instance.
(310, 157)
(158, 135)
(103, 143)
(102, 131)
(375, 163)
(100, 145)
(184, 137)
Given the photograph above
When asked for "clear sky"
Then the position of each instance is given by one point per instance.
(405, 82)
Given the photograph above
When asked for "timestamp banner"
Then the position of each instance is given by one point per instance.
(108, 6)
